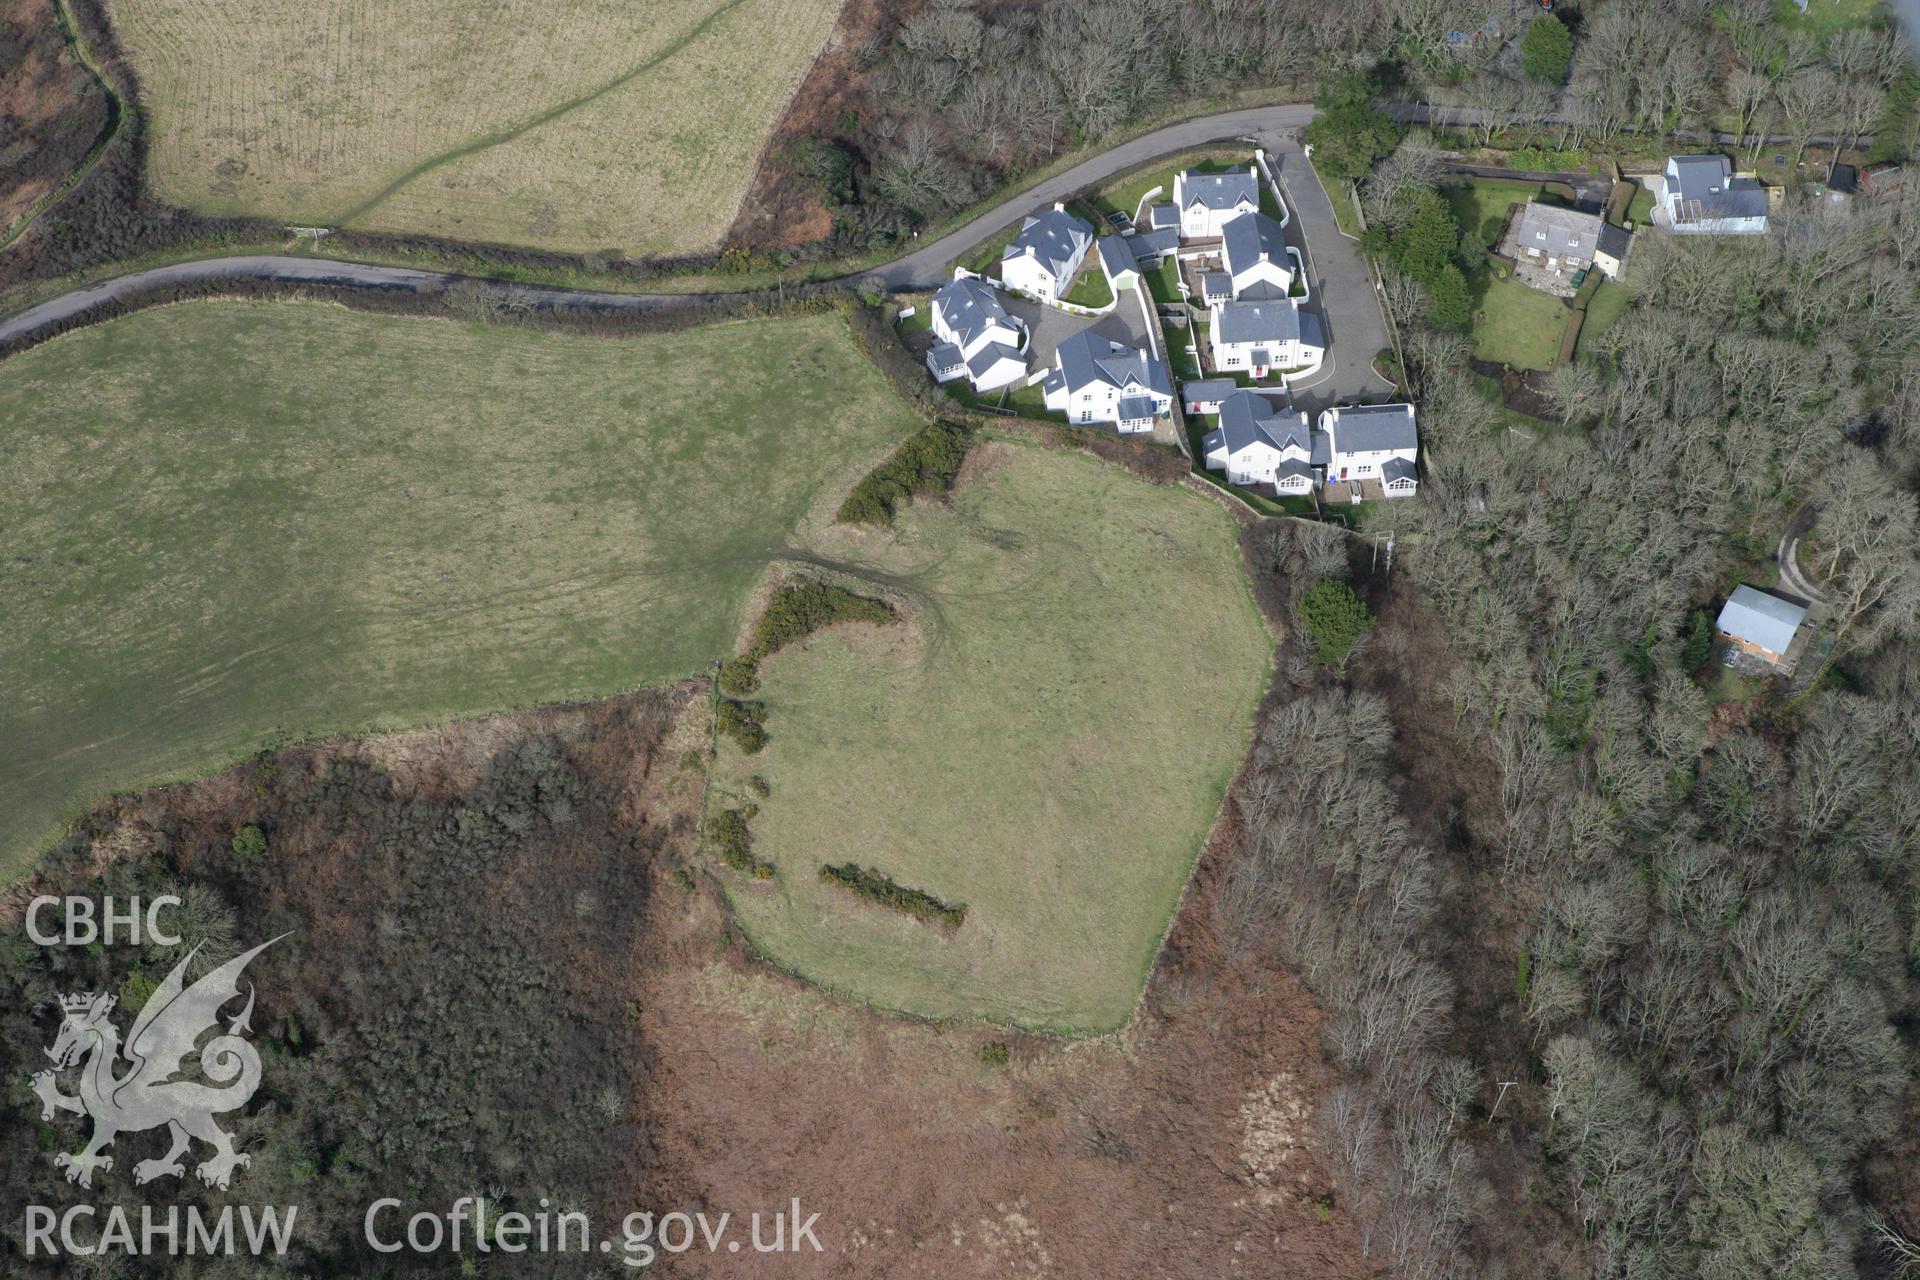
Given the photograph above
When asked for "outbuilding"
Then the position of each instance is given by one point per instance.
(1760, 624)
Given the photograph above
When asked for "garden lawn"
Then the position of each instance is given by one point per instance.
(1512, 324)
(229, 524)
(1046, 740)
(1824, 17)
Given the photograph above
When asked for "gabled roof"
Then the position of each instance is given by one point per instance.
(1163, 217)
(1613, 241)
(1086, 358)
(1843, 178)
(1396, 469)
(1247, 419)
(1156, 244)
(1707, 190)
(1116, 256)
(1215, 190)
(1201, 390)
(970, 307)
(1366, 428)
(990, 355)
(1561, 233)
(1266, 320)
(1760, 619)
(1134, 408)
(1055, 237)
(1253, 238)
(944, 356)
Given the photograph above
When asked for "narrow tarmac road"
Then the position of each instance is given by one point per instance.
(923, 268)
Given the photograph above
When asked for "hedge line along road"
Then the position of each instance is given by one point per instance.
(922, 268)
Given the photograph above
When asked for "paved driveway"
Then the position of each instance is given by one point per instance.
(1342, 291)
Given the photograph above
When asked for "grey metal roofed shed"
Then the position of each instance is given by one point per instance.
(1761, 620)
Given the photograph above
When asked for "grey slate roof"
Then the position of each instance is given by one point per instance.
(1311, 334)
(1251, 238)
(1396, 469)
(1087, 358)
(1760, 619)
(1116, 256)
(1293, 467)
(944, 356)
(1363, 428)
(1204, 390)
(1218, 190)
(1133, 408)
(988, 356)
(1157, 243)
(1056, 238)
(1216, 284)
(1708, 190)
(970, 307)
(1613, 241)
(1561, 233)
(1163, 217)
(1259, 321)
(1247, 418)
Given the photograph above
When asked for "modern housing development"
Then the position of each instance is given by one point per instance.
(1370, 450)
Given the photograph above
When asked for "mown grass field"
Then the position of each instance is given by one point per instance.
(231, 523)
(1046, 741)
(595, 125)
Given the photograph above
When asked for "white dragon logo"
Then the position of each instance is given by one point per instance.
(164, 1038)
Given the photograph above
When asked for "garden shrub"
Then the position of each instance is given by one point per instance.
(926, 463)
(249, 841)
(732, 839)
(1334, 617)
(744, 722)
(796, 611)
(877, 887)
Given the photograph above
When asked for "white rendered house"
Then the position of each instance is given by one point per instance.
(1257, 442)
(1208, 201)
(1043, 259)
(1264, 336)
(1373, 442)
(975, 338)
(1097, 380)
(1253, 250)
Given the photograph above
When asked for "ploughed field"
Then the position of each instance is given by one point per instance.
(1043, 738)
(229, 524)
(596, 125)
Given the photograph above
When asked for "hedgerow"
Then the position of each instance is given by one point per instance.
(795, 612)
(732, 839)
(926, 463)
(876, 886)
(744, 722)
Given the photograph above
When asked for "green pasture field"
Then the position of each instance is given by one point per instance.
(1045, 739)
(234, 524)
